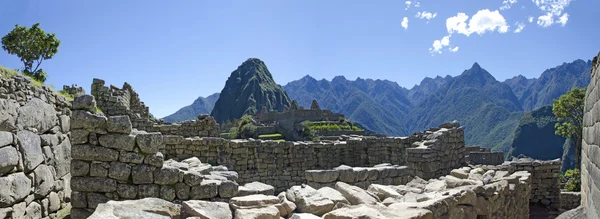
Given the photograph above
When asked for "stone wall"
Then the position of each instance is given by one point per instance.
(485, 158)
(114, 101)
(113, 162)
(437, 152)
(569, 200)
(35, 150)
(384, 174)
(590, 153)
(301, 115)
(339, 132)
(205, 126)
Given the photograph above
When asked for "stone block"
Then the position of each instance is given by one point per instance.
(149, 191)
(37, 115)
(127, 191)
(124, 142)
(149, 142)
(99, 169)
(85, 120)
(142, 174)
(31, 149)
(79, 136)
(93, 153)
(119, 124)
(93, 184)
(119, 171)
(44, 180)
(131, 157)
(207, 189)
(9, 159)
(15, 187)
(156, 159)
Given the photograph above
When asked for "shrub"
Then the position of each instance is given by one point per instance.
(573, 180)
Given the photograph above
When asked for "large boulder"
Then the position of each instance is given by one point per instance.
(149, 208)
(356, 195)
(253, 201)
(38, 115)
(383, 191)
(31, 149)
(44, 180)
(256, 188)
(206, 209)
(333, 195)
(62, 158)
(8, 114)
(9, 159)
(15, 187)
(309, 200)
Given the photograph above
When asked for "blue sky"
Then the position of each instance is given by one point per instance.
(174, 51)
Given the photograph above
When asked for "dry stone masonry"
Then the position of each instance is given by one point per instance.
(362, 177)
(111, 161)
(35, 150)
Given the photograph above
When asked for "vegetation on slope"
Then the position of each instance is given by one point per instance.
(535, 136)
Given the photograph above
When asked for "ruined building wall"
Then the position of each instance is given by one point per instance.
(590, 153)
(35, 150)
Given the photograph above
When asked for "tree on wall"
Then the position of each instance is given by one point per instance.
(569, 111)
(32, 46)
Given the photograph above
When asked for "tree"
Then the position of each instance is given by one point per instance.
(569, 111)
(32, 46)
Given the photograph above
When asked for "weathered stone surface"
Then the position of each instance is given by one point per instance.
(207, 210)
(93, 153)
(79, 136)
(459, 173)
(131, 157)
(230, 175)
(377, 211)
(308, 200)
(322, 176)
(33, 211)
(84, 102)
(149, 142)
(9, 159)
(287, 204)
(148, 208)
(85, 120)
(5, 212)
(256, 188)
(19, 210)
(31, 149)
(49, 140)
(383, 192)
(142, 174)
(8, 114)
(156, 159)
(304, 216)
(124, 142)
(93, 184)
(168, 193)
(228, 189)
(182, 190)
(119, 171)
(38, 115)
(149, 191)
(54, 202)
(80, 168)
(65, 123)
(15, 187)
(94, 199)
(44, 180)
(269, 212)
(355, 195)
(62, 158)
(253, 201)
(119, 124)
(99, 169)
(6, 138)
(333, 195)
(206, 189)
(78, 200)
(127, 191)
(167, 175)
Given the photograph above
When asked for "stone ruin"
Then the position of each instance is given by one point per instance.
(124, 163)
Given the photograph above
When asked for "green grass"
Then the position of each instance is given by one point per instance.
(276, 135)
(68, 96)
(7, 73)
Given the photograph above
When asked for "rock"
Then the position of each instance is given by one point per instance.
(206, 189)
(80, 168)
(142, 174)
(94, 199)
(148, 191)
(93, 184)
(131, 157)
(65, 123)
(230, 175)
(54, 202)
(84, 102)
(383, 192)
(8, 114)
(149, 142)
(228, 189)
(167, 175)
(31, 149)
(124, 142)
(6, 138)
(435, 186)
(19, 210)
(127, 191)
(253, 201)
(49, 140)
(269, 212)
(44, 181)
(412, 213)
(206, 209)
(402, 189)
(453, 182)
(119, 171)
(182, 190)
(256, 188)
(287, 205)
(33, 211)
(458, 173)
(304, 216)
(309, 200)
(79, 136)
(99, 169)
(38, 115)
(93, 153)
(148, 208)
(156, 159)
(9, 159)
(78, 200)
(322, 176)
(355, 195)
(167, 193)
(62, 158)
(85, 120)
(377, 211)
(119, 124)
(15, 187)
(332, 195)
(5, 212)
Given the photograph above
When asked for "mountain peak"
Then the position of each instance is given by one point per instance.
(339, 78)
(475, 66)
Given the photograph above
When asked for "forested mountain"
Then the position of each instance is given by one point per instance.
(247, 90)
(202, 105)
(427, 87)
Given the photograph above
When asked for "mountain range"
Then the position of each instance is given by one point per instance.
(489, 110)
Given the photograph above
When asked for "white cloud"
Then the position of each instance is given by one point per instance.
(426, 15)
(483, 21)
(407, 3)
(439, 44)
(405, 23)
(563, 19)
(506, 4)
(530, 19)
(453, 49)
(520, 27)
(545, 20)
(417, 4)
